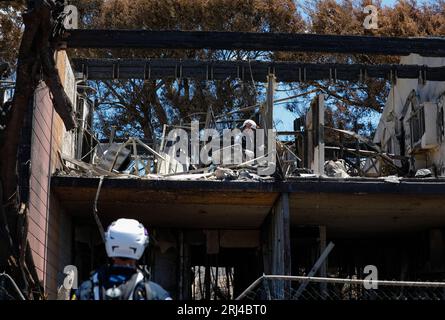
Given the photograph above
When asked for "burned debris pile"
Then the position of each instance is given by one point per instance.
(316, 151)
(408, 142)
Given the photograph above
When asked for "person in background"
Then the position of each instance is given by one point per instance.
(248, 141)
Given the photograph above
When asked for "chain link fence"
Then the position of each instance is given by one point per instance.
(313, 288)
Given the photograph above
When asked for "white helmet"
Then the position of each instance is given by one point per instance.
(251, 122)
(126, 238)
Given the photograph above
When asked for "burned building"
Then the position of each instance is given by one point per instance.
(214, 231)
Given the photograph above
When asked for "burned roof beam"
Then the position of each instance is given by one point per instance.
(106, 69)
(269, 41)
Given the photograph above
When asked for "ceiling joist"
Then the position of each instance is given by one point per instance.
(122, 69)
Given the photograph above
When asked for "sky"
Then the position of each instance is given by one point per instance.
(284, 118)
(391, 2)
(388, 3)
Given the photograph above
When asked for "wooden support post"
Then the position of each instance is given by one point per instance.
(207, 279)
(136, 159)
(267, 108)
(286, 234)
(181, 265)
(323, 268)
(276, 246)
(187, 287)
(315, 135)
(281, 263)
(319, 149)
(185, 284)
(268, 111)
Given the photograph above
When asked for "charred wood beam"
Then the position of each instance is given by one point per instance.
(107, 69)
(4, 68)
(252, 41)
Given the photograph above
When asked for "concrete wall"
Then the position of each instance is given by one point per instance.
(49, 227)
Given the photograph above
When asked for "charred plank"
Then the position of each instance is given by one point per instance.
(107, 69)
(253, 41)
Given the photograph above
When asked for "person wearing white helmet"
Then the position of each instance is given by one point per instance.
(123, 279)
(248, 139)
(249, 125)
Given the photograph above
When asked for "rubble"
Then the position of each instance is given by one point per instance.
(336, 169)
(225, 174)
(423, 173)
(311, 155)
(392, 179)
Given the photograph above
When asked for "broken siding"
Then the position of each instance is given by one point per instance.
(429, 91)
(59, 248)
(40, 155)
(45, 215)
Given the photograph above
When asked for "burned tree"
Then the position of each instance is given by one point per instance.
(35, 64)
